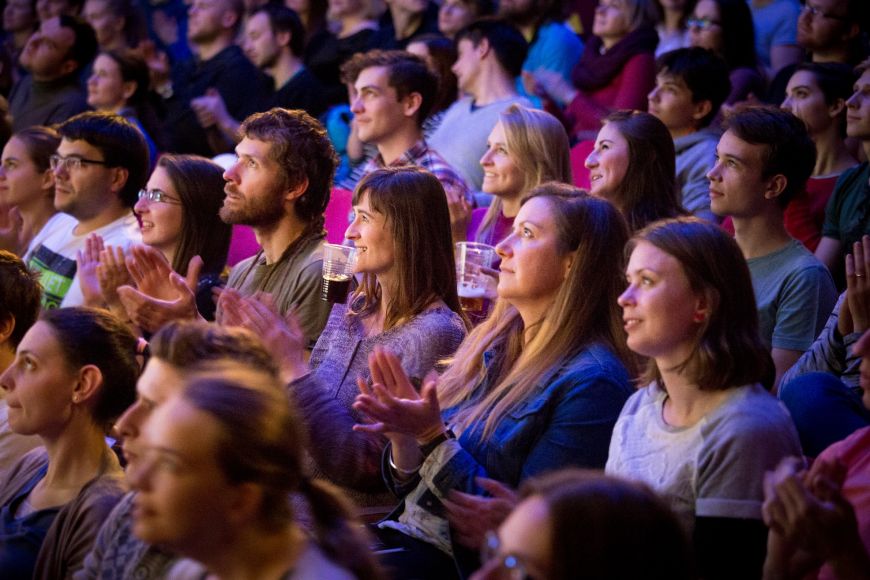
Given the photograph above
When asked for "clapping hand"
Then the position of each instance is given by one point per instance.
(471, 516)
(854, 313)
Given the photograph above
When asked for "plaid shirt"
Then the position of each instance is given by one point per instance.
(420, 155)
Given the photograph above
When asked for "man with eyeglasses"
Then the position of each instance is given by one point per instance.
(829, 31)
(99, 168)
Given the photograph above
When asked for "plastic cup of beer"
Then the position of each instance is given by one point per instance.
(472, 283)
(338, 263)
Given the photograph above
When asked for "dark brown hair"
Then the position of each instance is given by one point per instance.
(20, 295)
(596, 520)
(648, 191)
(415, 207)
(728, 350)
(200, 185)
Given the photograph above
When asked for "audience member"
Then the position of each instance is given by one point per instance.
(27, 185)
(100, 165)
(822, 390)
(178, 218)
(527, 147)
(74, 373)
(180, 352)
(274, 41)
(454, 15)
(47, 9)
(532, 389)
(393, 93)
(120, 84)
(819, 519)
(19, 308)
(220, 65)
(829, 31)
(553, 46)
(491, 53)
(847, 215)
(703, 430)
(723, 27)
(118, 24)
(616, 71)
(406, 303)
(763, 161)
(775, 24)
(672, 26)
(691, 85)
(242, 449)
(632, 166)
(575, 524)
(53, 58)
(440, 54)
(355, 25)
(816, 94)
(19, 22)
(404, 21)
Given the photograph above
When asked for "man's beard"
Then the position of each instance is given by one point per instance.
(264, 211)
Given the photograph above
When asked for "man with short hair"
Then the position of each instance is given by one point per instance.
(491, 54)
(275, 42)
(53, 56)
(393, 93)
(764, 158)
(180, 353)
(691, 85)
(847, 215)
(219, 65)
(100, 166)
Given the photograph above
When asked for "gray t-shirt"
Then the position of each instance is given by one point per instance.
(794, 294)
(715, 468)
(294, 282)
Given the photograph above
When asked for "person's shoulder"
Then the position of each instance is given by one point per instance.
(750, 413)
(557, 33)
(314, 564)
(594, 364)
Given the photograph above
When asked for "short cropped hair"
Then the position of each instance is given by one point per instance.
(84, 47)
(283, 19)
(20, 295)
(303, 151)
(704, 73)
(508, 43)
(789, 149)
(120, 142)
(407, 74)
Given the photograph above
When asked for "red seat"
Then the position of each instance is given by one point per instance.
(579, 153)
(338, 214)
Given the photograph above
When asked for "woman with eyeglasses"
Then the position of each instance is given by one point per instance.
(616, 71)
(178, 216)
(725, 27)
(577, 524)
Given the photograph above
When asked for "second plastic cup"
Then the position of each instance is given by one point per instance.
(338, 263)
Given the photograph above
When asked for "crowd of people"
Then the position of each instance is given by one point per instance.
(667, 375)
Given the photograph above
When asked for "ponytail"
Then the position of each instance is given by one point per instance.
(337, 531)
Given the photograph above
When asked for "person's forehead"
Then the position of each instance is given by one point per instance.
(254, 148)
(259, 22)
(374, 76)
(78, 147)
(61, 35)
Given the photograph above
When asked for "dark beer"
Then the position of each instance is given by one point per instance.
(335, 287)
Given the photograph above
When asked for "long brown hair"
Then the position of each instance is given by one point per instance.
(415, 207)
(199, 183)
(262, 441)
(538, 145)
(648, 191)
(584, 312)
(728, 350)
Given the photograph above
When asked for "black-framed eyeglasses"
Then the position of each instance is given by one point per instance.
(509, 566)
(701, 23)
(71, 163)
(814, 12)
(157, 196)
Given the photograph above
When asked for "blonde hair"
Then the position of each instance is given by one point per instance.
(538, 145)
(583, 312)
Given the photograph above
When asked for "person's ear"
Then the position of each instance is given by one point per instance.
(701, 109)
(7, 327)
(128, 89)
(411, 104)
(120, 175)
(283, 38)
(775, 186)
(296, 191)
(837, 107)
(88, 384)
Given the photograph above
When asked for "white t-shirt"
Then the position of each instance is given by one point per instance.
(715, 468)
(53, 255)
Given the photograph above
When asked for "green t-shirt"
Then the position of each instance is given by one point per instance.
(847, 215)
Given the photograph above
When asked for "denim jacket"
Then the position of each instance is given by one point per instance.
(566, 422)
